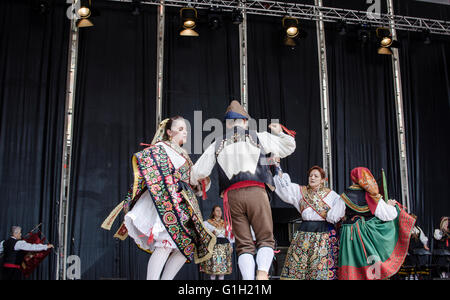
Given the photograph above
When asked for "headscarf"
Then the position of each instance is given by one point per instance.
(364, 178)
(159, 135)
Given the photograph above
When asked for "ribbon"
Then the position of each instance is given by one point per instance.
(204, 196)
(226, 206)
(143, 144)
(290, 132)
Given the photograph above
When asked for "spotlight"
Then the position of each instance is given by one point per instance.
(385, 39)
(214, 19)
(136, 8)
(291, 26)
(364, 33)
(236, 17)
(341, 27)
(426, 37)
(84, 12)
(188, 16)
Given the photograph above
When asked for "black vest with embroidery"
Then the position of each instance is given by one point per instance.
(356, 205)
(11, 256)
(262, 172)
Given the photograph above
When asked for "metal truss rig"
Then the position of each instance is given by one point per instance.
(315, 13)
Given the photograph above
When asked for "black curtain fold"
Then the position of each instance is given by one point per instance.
(426, 92)
(33, 71)
(114, 111)
(362, 106)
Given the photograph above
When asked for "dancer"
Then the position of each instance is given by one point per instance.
(220, 264)
(243, 177)
(441, 252)
(375, 235)
(314, 250)
(162, 212)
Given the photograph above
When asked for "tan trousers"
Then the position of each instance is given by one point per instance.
(250, 206)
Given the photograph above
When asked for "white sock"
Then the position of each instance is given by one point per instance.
(221, 277)
(156, 263)
(264, 258)
(247, 266)
(175, 262)
(213, 277)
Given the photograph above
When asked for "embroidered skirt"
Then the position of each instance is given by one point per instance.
(220, 262)
(313, 253)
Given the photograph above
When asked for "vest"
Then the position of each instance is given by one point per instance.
(11, 256)
(262, 172)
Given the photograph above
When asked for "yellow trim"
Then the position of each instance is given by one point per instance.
(349, 203)
(107, 223)
(137, 175)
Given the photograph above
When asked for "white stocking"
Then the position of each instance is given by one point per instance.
(212, 277)
(174, 264)
(247, 266)
(264, 258)
(221, 277)
(156, 263)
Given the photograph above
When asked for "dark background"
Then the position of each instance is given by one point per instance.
(115, 111)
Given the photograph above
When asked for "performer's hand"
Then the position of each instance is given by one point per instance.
(391, 202)
(49, 246)
(275, 128)
(426, 247)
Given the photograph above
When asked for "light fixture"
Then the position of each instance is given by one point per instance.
(364, 33)
(84, 12)
(385, 41)
(188, 16)
(290, 25)
(214, 19)
(342, 27)
(236, 17)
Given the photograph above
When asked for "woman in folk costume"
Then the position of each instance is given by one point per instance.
(314, 250)
(375, 234)
(220, 263)
(244, 175)
(162, 212)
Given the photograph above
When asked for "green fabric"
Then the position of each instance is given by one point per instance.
(379, 240)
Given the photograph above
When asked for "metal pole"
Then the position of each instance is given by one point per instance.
(243, 56)
(67, 153)
(160, 62)
(324, 97)
(399, 113)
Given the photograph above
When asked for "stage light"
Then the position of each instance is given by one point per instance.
(188, 16)
(426, 37)
(84, 12)
(236, 17)
(364, 33)
(341, 28)
(214, 19)
(291, 26)
(385, 39)
(136, 8)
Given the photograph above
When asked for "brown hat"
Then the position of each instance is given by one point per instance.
(236, 111)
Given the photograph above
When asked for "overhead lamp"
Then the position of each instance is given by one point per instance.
(364, 33)
(290, 25)
(385, 41)
(188, 16)
(342, 27)
(84, 12)
(214, 19)
(236, 17)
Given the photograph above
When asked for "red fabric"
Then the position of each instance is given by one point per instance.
(32, 259)
(226, 206)
(204, 197)
(11, 266)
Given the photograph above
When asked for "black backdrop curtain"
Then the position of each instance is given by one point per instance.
(33, 65)
(284, 84)
(201, 77)
(114, 112)
(426, 91)
(362, 106)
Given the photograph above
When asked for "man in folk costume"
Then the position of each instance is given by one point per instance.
(375, 234)
(243, 177)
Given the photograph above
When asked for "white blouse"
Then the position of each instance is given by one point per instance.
(221, 233)
(290, 193)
